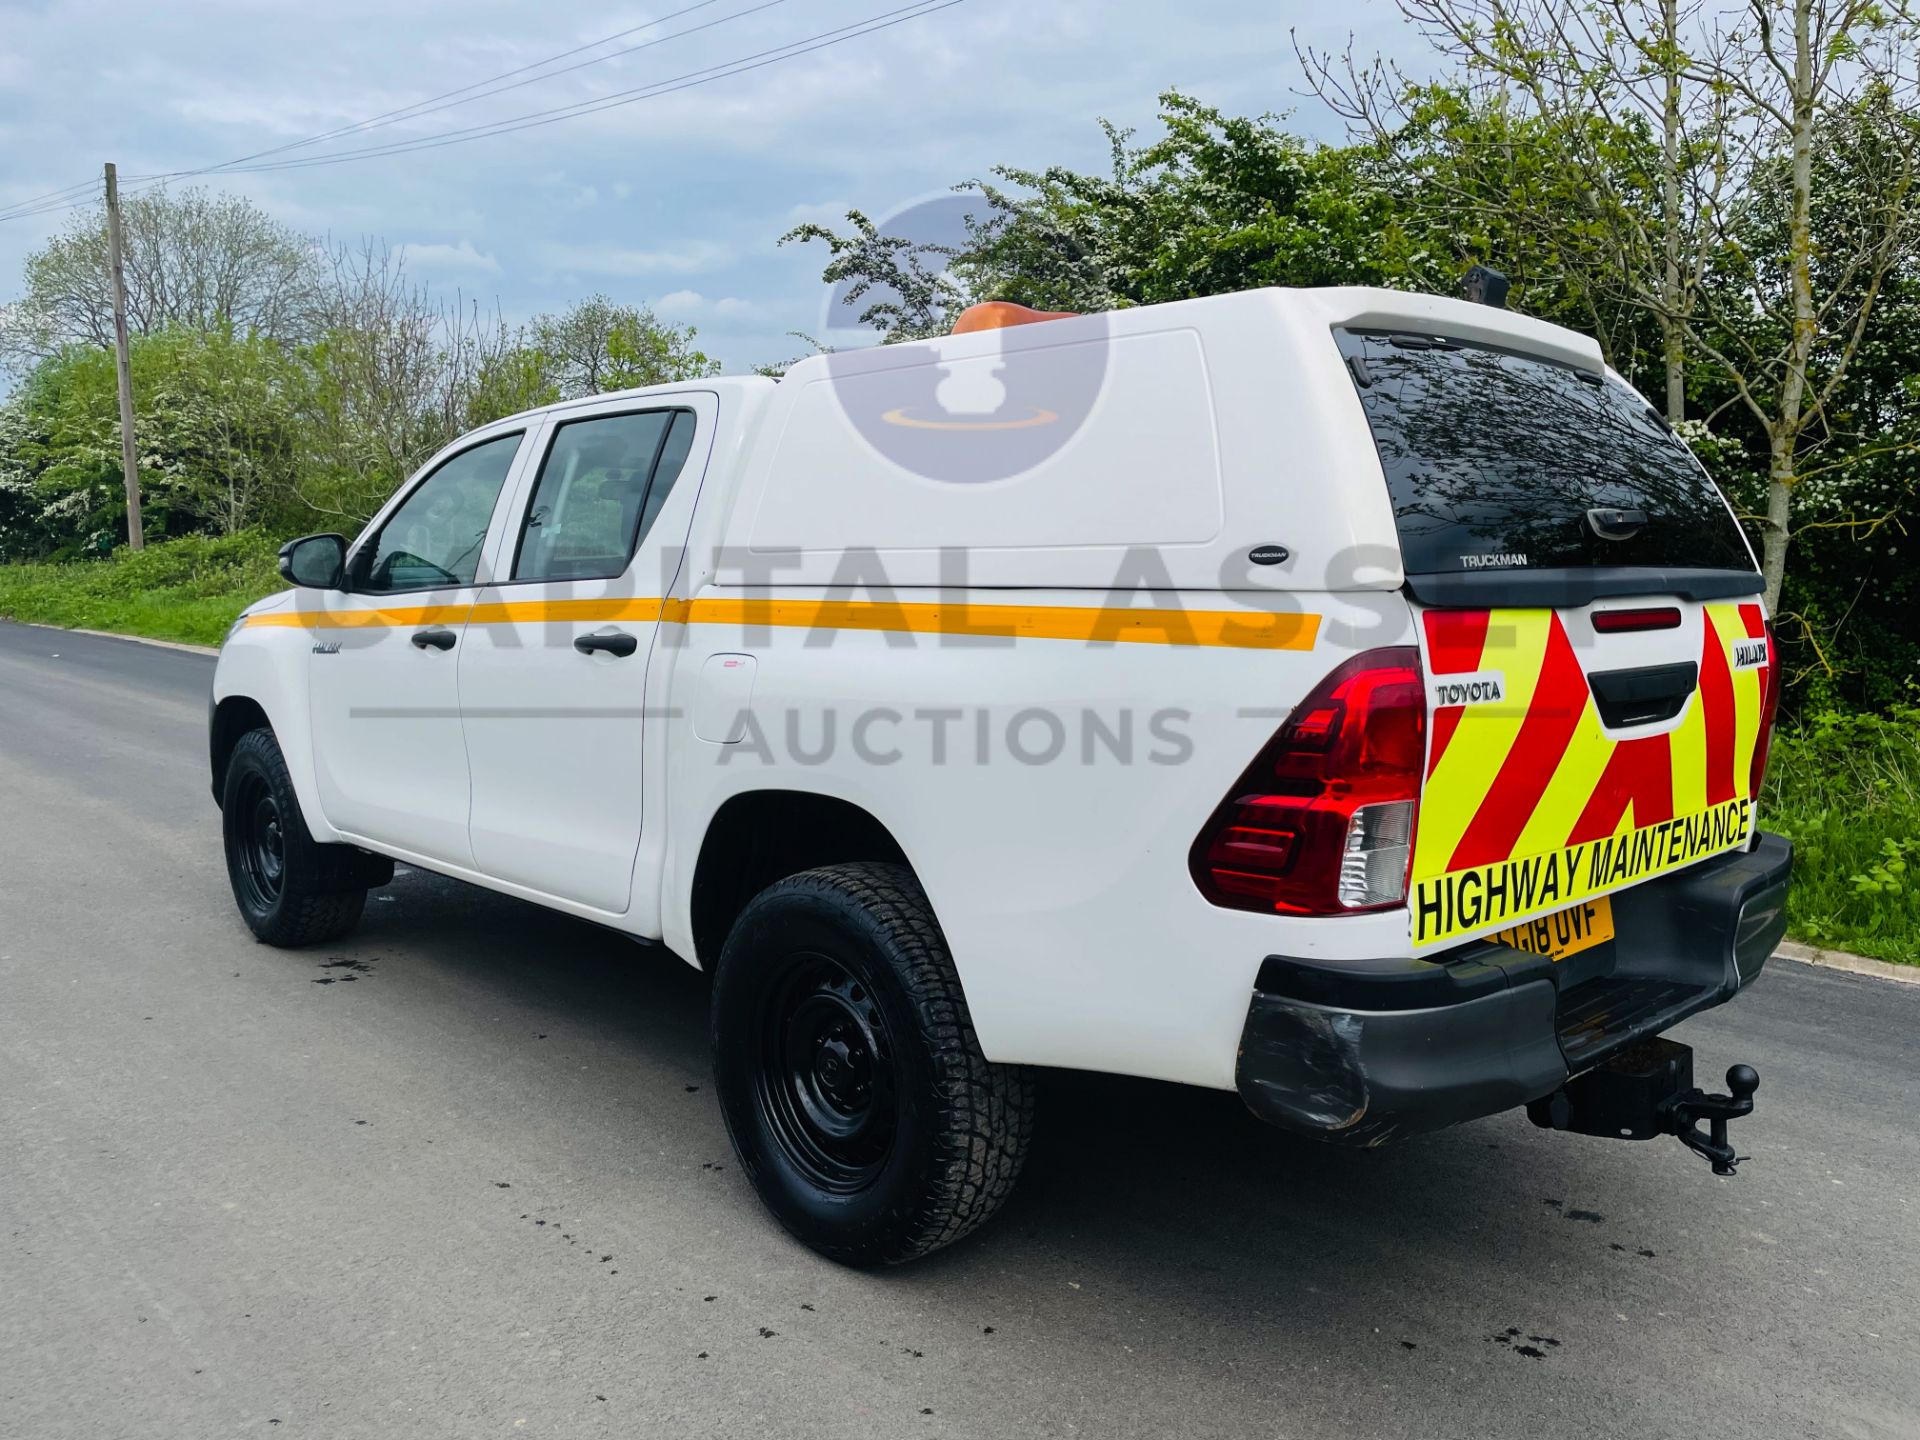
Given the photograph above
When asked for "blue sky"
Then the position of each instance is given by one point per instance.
(674, 201)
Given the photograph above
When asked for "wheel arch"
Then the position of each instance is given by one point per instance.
(760, 836)
(229, 720)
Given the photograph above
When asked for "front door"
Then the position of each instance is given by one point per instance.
(553, 670)
(384, 690)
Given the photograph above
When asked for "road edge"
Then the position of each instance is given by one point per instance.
(1851, 964)
(116, 635)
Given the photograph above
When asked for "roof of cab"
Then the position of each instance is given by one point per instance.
(721, 385)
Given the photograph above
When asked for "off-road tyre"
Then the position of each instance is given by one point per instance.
(849, 1075)
(291, 890)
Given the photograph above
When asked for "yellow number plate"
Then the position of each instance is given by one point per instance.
(1565, 932)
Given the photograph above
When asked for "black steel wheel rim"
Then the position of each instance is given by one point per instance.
(824, 1085)
(263, 845)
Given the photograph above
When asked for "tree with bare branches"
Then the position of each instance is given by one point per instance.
(194, 260)
(1780, 203)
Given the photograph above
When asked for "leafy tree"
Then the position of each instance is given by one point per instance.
(216, 416)
(514, 378)
(393, 373)
(1215, 204)
(597, 346)
(915, 293)
(193, 260)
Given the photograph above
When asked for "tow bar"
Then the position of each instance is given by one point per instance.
(1648, 1091)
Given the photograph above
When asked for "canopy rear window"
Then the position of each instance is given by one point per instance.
(1499, 461)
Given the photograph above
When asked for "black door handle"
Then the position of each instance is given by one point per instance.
(436, 639)
(619, 643)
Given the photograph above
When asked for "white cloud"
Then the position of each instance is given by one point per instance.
(817, 212)
(685, 259)
(446, 257)
(679, 302)
(733, 307)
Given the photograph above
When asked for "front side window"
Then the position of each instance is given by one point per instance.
(601, 485)
(433, 540)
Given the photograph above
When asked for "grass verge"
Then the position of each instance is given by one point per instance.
(189, 589)
(1845, 788)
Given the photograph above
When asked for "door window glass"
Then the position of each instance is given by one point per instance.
(600, 486)
(673, 459)
(433, 540)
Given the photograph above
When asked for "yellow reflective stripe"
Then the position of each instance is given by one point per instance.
(1236, 628)
(1687, 750)
(365, 619)
(1566, 792)
(1242, 629)
(640, 609)
(1516, 646)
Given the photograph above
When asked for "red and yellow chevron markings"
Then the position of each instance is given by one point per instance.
(1531, 806)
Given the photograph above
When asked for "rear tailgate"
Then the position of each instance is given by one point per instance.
(1595, 655)
(1564, 763)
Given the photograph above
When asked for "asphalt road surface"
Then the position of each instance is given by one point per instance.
(465, 1176)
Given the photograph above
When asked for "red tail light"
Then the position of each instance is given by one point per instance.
(1769, 708)
(1322, 822)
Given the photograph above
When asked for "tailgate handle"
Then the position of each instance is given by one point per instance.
(1644, 696)
(1616, 524)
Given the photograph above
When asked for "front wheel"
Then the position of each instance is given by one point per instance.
(291, 891)
(849, 1075)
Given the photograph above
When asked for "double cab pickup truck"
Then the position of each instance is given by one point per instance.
(1354, 699)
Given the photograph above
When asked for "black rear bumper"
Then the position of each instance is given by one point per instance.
(1365, 1050)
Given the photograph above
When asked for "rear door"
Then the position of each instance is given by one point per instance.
(1595, 653)
(553, 673)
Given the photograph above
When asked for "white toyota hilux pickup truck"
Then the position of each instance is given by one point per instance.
(1351, 698)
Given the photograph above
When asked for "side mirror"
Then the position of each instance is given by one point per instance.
(316, 562)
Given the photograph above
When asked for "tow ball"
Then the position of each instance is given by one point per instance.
(1648, 1091)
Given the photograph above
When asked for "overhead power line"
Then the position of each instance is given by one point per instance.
(479, 89)
(22, 208)
(86, 184)
(885, 20)
(59, 200)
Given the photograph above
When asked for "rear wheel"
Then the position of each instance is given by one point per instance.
(852, 1084)
(291, 890)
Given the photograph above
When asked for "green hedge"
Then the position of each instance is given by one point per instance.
(1845, 787)
(189, 589)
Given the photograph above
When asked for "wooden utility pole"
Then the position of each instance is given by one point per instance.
(129, 468)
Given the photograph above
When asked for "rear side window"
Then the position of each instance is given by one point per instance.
(1497, 461)
(602, 483)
